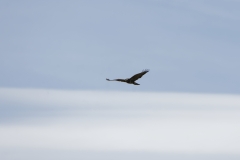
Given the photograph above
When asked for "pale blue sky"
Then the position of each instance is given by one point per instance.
(189, 46)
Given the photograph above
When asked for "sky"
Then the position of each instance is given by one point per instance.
(55, 102)
(189, 46)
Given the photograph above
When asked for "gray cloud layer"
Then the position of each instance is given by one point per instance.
(109, 123)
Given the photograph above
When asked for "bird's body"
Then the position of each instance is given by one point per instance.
(132, 79)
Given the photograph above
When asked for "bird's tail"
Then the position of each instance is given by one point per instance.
(135, 83)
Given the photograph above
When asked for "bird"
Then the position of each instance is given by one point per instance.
(132, 79)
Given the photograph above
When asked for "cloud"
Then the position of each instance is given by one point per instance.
(98, 99)
(99, 121)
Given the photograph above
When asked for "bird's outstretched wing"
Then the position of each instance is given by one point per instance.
(139, 75)
(121, 80)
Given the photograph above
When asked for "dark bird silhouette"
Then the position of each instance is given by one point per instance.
(132, 79)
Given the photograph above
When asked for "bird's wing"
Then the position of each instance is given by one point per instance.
(139, 75)
(121, 80)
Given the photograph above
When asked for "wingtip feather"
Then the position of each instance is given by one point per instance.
(146, 70)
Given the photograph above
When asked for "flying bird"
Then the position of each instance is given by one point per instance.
(132, 79)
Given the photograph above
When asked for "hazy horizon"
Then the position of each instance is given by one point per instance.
(105, 124)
